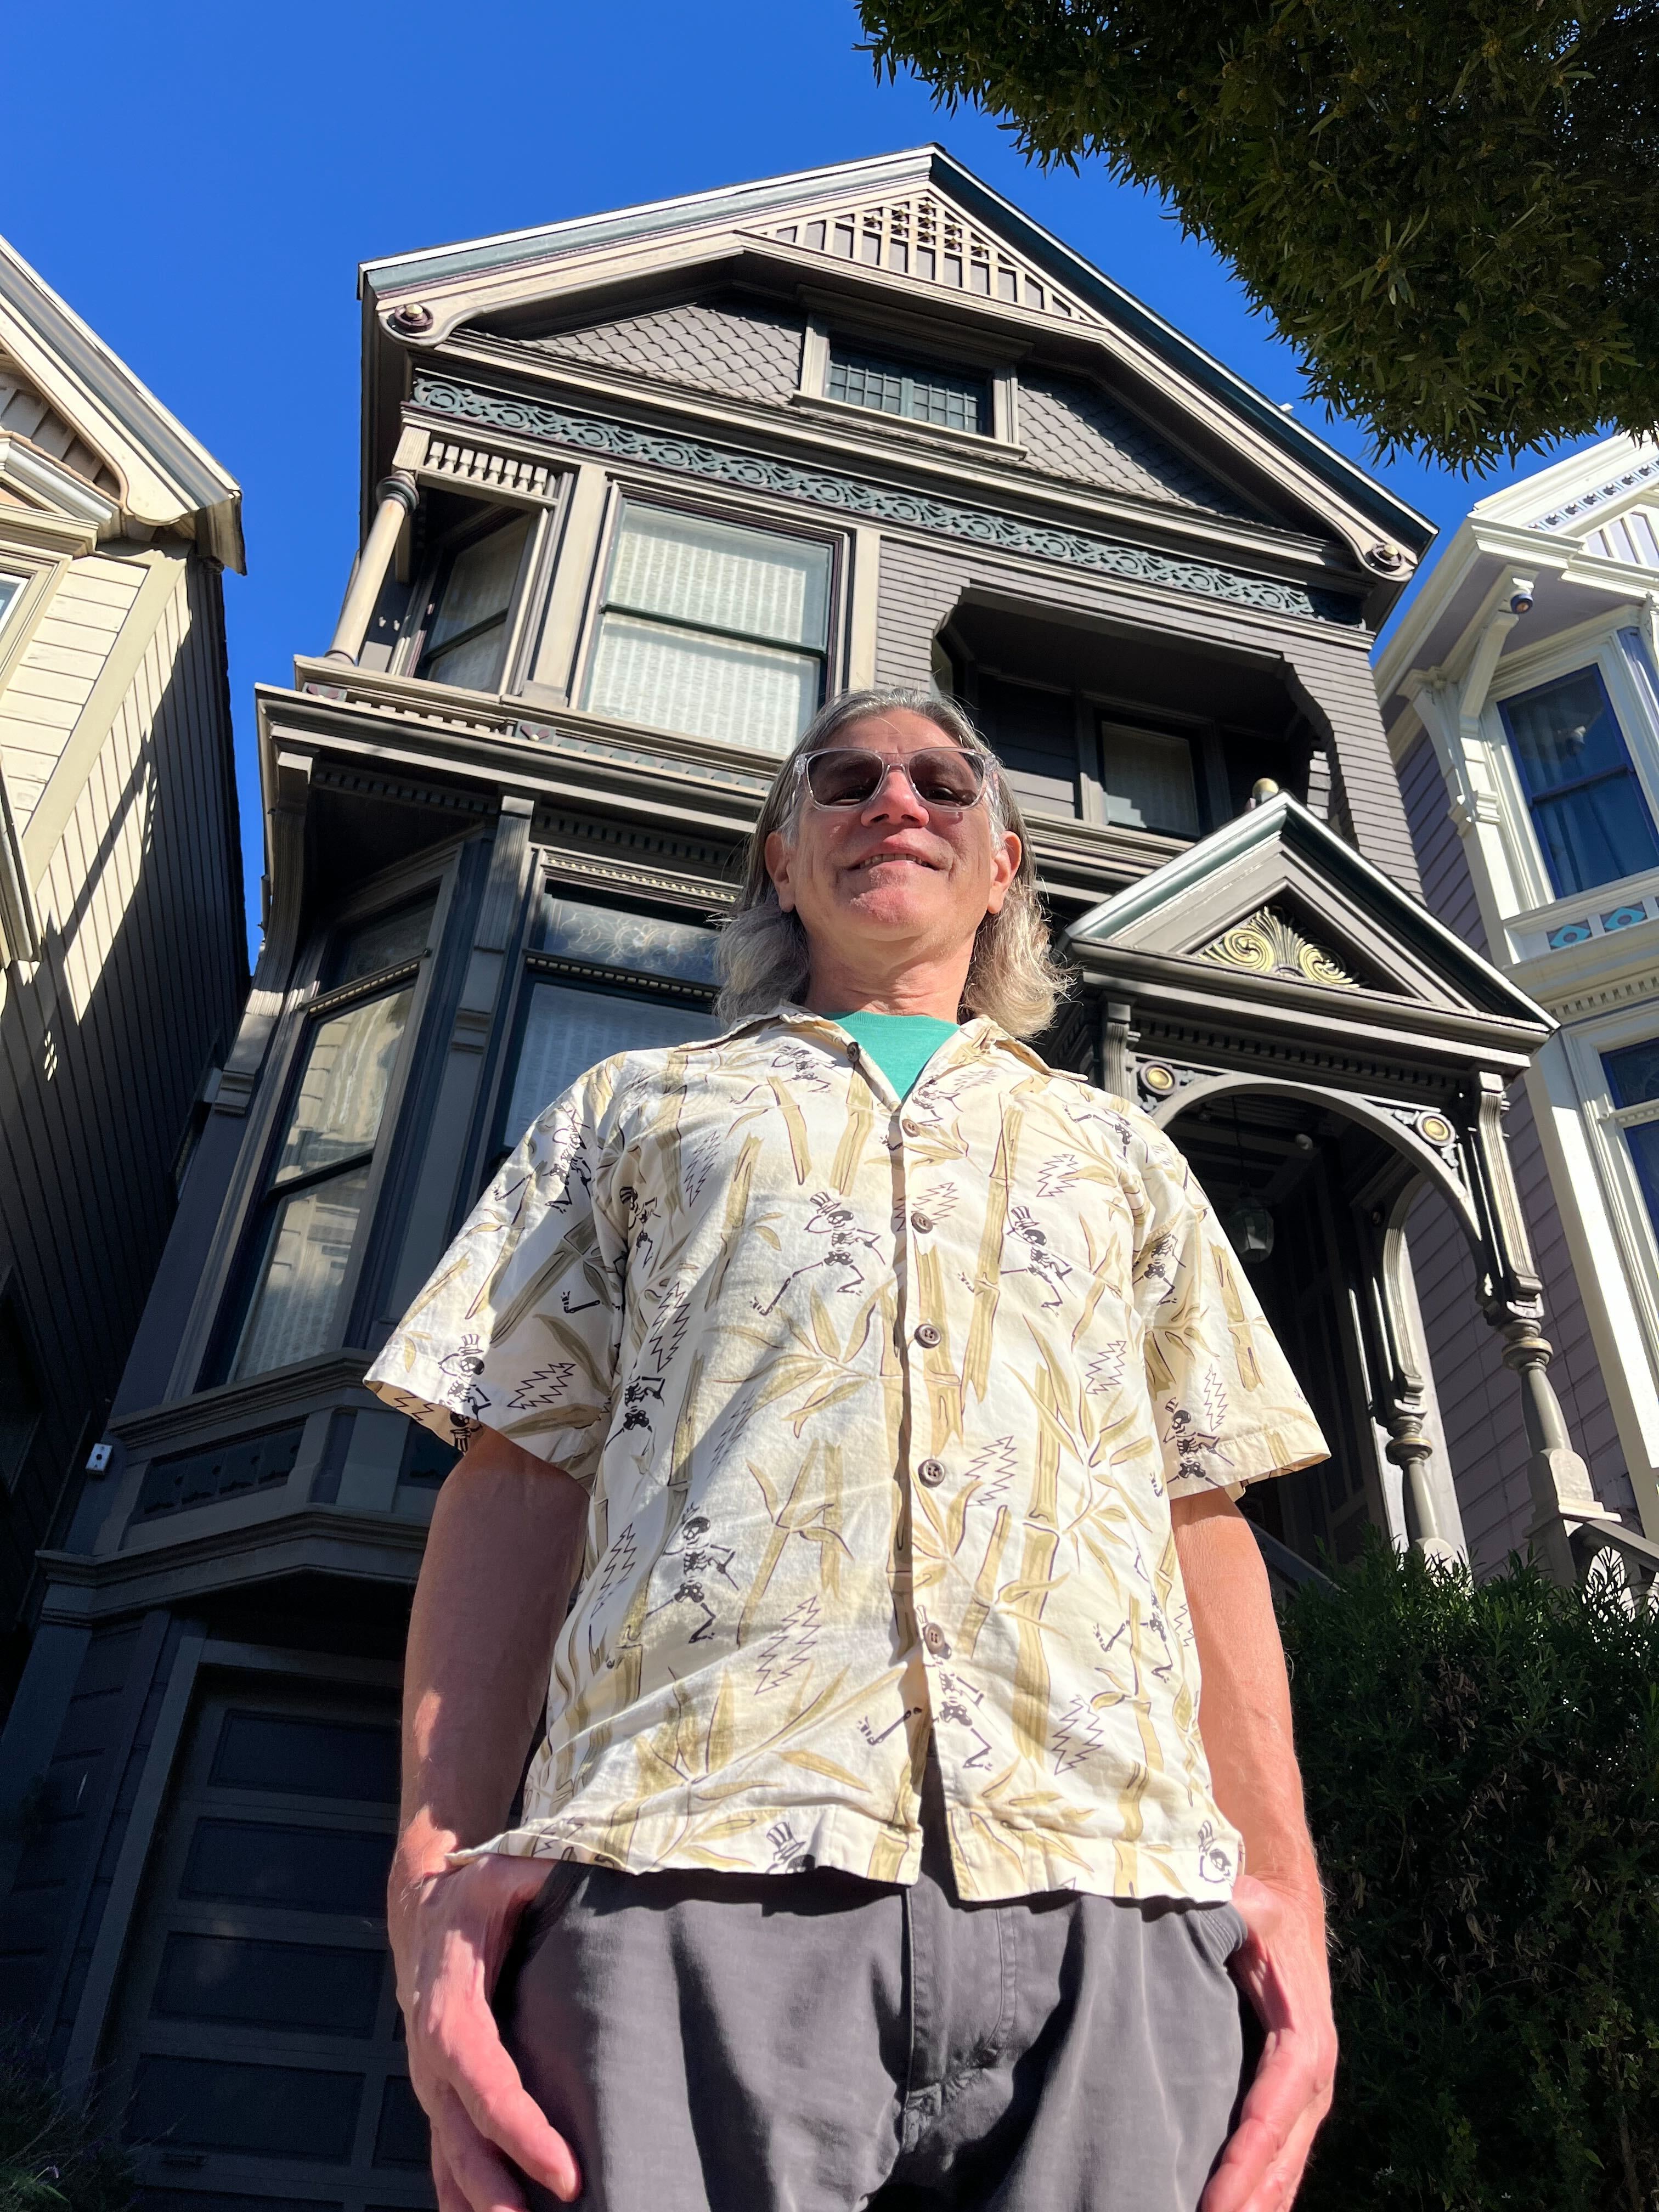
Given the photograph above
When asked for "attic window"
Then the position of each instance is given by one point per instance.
(901, 387)
(11, 590)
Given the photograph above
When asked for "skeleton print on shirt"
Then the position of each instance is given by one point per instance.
(881, 1409)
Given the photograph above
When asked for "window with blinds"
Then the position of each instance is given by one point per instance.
(712, 629)
(1147, 778)
(903, 387)
(577, 1008)
(1591, 816)
(467, 617)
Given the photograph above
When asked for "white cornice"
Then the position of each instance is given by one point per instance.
(37, 476)
(167, 480)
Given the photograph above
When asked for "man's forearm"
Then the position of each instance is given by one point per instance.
(502, 1555)
(1245, 1711)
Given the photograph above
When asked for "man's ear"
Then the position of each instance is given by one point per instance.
(1005, 866)
(779, 855)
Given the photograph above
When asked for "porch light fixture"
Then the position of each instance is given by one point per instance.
(1249, 1226)
(1250, 1232)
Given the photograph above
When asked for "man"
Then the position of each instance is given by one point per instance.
(881, 1395)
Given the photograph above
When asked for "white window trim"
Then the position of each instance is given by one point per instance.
(1597, 647)
(1634, 1233)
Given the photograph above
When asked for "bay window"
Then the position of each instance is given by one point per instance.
(711, 629)
(1147, 778)
(318, 1184)
(1632, 1075)
(1587, 807)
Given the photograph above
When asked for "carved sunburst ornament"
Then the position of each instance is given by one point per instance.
(1265, 944)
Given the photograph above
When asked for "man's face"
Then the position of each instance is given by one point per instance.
(893, 876)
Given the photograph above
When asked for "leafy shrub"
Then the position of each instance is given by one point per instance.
(53, 2157)
(1482, 1769)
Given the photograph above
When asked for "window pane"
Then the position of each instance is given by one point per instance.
(1035, 735)
(677, 566)
(307, 1870)
(312, 1759)
(706, 687)
(342, 1092)
(1148, 779)
(1563, 732)
(401, 2138)
(275, 2112)
(326, 1987)
(11, 591)
(475, 664)
(1633, 1073)
(480, 584)
(1595, 836)
(614, 940)
(293, 1312)
(566, 1032)
(386, 942)
(926, 395)
(1644, 1144)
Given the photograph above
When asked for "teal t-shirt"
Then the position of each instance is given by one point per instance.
(900, 1044)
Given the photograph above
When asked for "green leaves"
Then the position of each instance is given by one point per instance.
(1482, 1774)
(1452, 211)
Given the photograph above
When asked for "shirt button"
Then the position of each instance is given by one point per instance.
(855, 1052)
(924, 1222)
(928, 1335)
(933, 1637)
(931, 1472)
(911, 1128)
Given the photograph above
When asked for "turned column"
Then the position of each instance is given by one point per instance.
(397, 496)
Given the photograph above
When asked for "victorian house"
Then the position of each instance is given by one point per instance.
(122, 960)
(1522, 705)
(639, 491)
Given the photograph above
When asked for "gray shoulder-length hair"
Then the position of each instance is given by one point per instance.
(762, 951)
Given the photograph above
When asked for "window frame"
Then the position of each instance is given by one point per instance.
(628, 488)
(1613, 1189)
(228, 1303)
(1515, 695)
(529, 586)
(1597, 645)
(532, 966)
(929, 345)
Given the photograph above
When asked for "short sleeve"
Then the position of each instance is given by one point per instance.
(518, 1327)
(1227, 1407)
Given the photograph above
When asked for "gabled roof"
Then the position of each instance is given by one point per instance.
(881, 218)
(1276, 912)
(158, 477)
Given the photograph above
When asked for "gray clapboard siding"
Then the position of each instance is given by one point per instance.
(102, 1047)
(1479, 1402)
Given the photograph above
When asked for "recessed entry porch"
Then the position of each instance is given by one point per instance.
(1320, 1049)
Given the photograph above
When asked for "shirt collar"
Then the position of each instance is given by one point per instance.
(978, 1034)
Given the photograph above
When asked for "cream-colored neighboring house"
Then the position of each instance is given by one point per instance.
(122, 955)
(1520, 697)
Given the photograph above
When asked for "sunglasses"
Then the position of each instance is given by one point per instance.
(943, 777)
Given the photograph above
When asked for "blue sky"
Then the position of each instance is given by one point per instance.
(204, 196)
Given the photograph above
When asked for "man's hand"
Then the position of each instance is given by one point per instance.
(450, 1935)
(1282, 1970)
(1244, 1717)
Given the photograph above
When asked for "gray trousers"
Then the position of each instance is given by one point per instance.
(814, 2042)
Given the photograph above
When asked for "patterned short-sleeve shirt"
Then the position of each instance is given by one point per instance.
(881, 1406)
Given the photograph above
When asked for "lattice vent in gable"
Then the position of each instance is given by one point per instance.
(1633, 535)
(927, 240)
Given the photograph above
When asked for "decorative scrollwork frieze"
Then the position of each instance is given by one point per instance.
(1265, 944)
(1071, 549)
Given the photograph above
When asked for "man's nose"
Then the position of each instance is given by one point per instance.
(897, 799)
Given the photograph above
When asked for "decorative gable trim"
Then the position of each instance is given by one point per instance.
(1578, 512)
(1266, 942)
(925, 237)
(524, 418)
